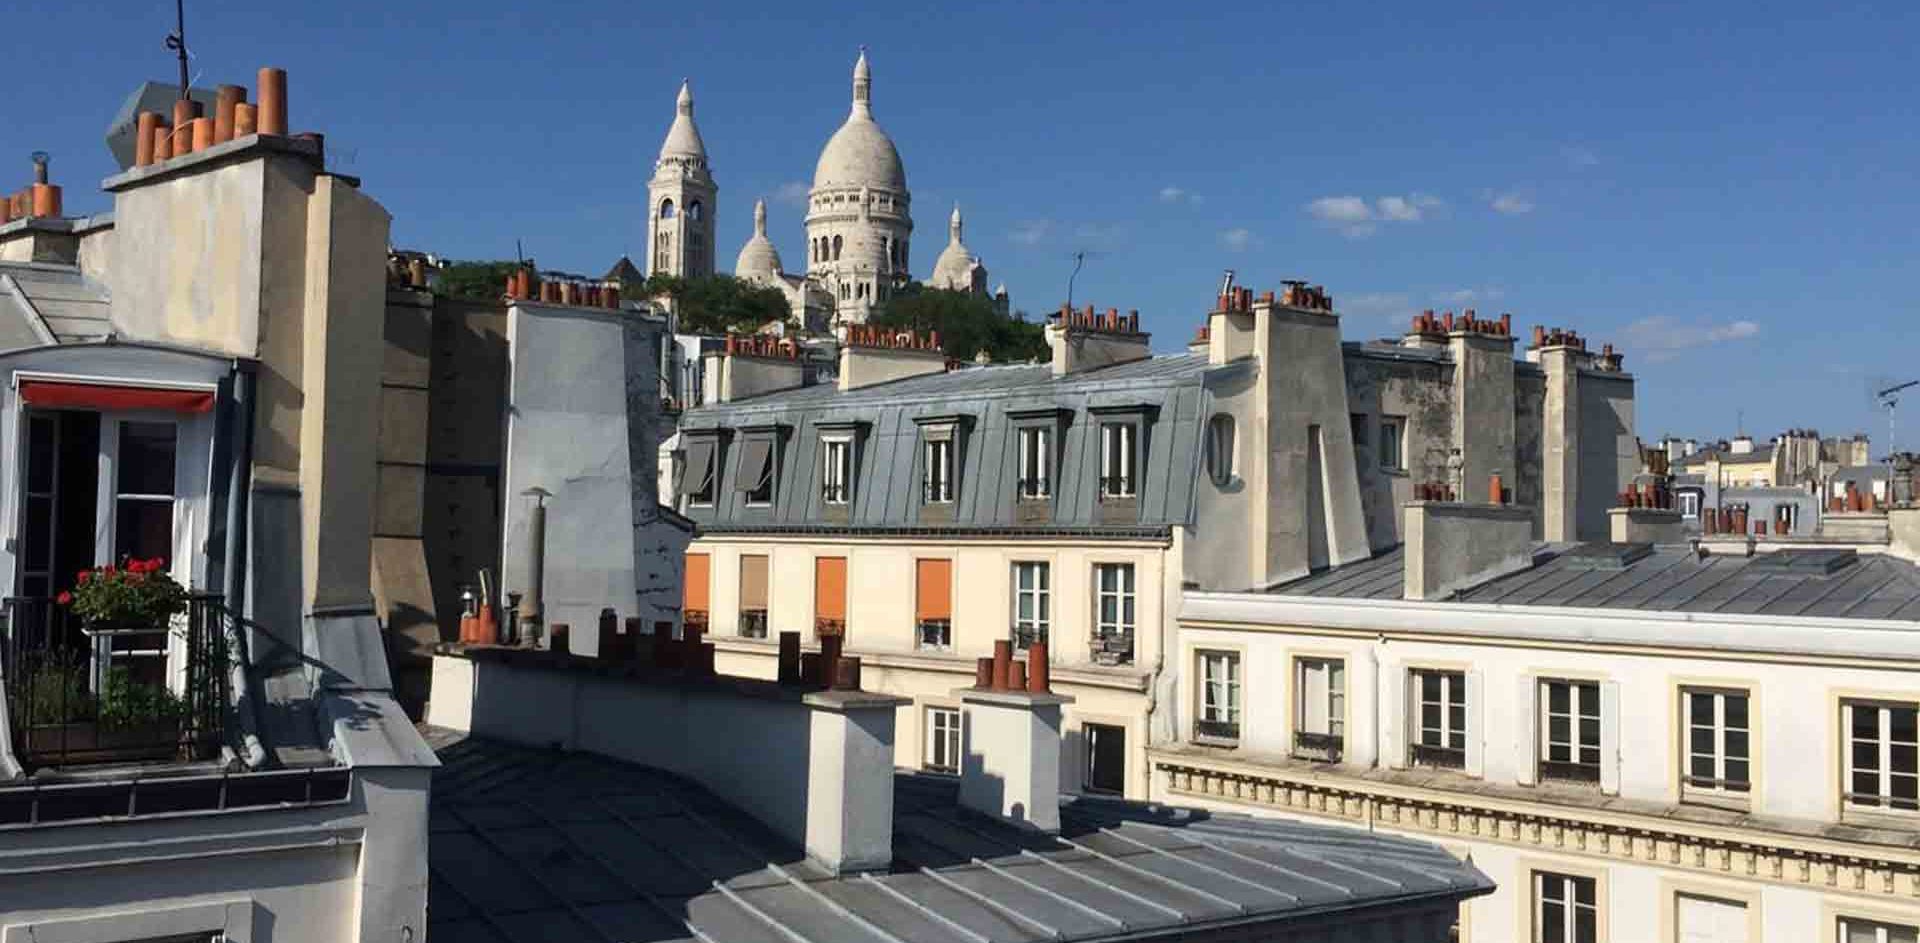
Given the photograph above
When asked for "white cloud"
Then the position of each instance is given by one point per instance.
(1579, 158)
(1663, 337)
(1031, 232)
(1237, 240)
(1379, 304)
(792, 193)
(1355, 218)
(1466, 296)
(1179, 195)
(1510, 203)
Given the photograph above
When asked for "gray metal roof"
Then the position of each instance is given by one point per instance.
(1168, 393)
(56, 299)
(529, 845)
(1826, 582)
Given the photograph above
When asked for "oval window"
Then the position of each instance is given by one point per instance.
(1220, 449)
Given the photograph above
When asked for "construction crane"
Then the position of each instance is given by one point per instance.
(1890, 397)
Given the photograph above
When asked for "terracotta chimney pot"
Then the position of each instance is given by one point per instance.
(226, 99)
(202, 134)
(1039, 671)
(143, 138)
(273, 101)
(246, 120)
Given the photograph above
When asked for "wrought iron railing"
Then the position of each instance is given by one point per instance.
(1560, 771)
(1024, 635)
(1217, 729)
(935, 634)
(753, 623)
(1112, 646)
(1318, 746)
(79, 694)
(1439, 757)
(834, 494)
(1116, 486)
(1034, 489)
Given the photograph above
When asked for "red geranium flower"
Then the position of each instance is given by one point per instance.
(65, 598)
(84, 575)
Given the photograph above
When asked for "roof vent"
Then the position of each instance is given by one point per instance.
(1605, 556)
(1805, 562)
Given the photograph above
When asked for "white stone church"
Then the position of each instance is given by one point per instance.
(859, 222)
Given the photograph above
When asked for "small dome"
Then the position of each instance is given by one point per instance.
(758, 257)
(683, 138)
(956, 265)
(860, 154)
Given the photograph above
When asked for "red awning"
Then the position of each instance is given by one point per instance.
(106, 397)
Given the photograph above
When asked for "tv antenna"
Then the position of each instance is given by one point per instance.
(1890, 397)
(1079, 259)
(177, 41)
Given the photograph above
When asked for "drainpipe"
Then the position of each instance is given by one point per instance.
(239, 489)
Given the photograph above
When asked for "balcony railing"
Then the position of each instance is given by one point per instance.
(1570, 772)
(829, 626)
(80, 694)
(834, 494)
(1116, 486)
(1034, 489)
(1439, 757)
(1318, 746)
(935, 634)
(1112, 647)
(1025, 635)
(1217, 729)
(753, 623)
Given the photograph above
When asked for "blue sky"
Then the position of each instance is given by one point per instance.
(1728, 191)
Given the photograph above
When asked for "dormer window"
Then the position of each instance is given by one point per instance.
(836, 472)
(1035, 481)
(1118, 459)
(698, 471)
(938, 483)
(757, 473)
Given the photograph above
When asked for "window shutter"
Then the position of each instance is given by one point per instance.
(1476, 725)
(1610, 737)
(1526, 722)
(1394, 709)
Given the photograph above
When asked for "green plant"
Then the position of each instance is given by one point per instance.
(141, 592)
(125, 702)
(56, 691)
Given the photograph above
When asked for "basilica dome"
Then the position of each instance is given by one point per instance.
(860, 154)
(758, 257)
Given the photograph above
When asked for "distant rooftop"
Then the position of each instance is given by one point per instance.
(998, 380)
(50, 297)
(1827, 582)
(533, 845)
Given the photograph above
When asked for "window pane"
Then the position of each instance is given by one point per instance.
(1736, 771)
(40, 453)
(1736, 743)
(1901, 725)
(146, 458)
(1736, 707)
(1701, 767)
(1701, 706)
(143, 529)
(1559, 698)
(1701, 739)
(1866, 722)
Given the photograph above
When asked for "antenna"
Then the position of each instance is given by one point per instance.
(1890, 398)
(177, 41)
(1079, 258)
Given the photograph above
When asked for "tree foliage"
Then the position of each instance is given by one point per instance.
(717, 304)
(967, 323)
(477, 280)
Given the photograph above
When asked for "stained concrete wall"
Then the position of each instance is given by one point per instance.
(1529, 405)
(1417, 392)
(1609, 451)
(1303, 371)
(1483, 404)
(583, 399)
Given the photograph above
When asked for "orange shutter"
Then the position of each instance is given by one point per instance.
(933, 589)
(694, 596)
(830, 588)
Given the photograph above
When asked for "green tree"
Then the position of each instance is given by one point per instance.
(478, 280)
(716, 304)
(967, 323)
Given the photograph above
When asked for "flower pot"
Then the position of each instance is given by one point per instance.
(96, 742)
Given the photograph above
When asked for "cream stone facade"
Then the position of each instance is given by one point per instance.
(1737, 762)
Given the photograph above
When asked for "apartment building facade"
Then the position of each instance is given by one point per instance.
(1637, 742)
(926, 510)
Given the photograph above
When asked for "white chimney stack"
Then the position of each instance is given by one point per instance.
(1010, 751)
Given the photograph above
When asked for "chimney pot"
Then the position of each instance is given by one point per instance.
(143, 138)
(273, 101)
(983, 672)
(1002, 663)
(559, 639)
(162, 143)
(1039, 671)
(226, 99)
(202, 134)
(1017, 676)
(246, 119)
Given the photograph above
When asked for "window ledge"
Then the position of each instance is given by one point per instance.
(1218, 743)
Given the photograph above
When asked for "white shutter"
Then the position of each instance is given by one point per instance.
(1476, 725)
(1393, 715)
(1710, 920)
(1610, 737)
(1526, 721)
(1313, 695)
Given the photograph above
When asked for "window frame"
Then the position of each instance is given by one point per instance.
(1884, 801)
(1126, 606)
(1879, 926)
(1087, 781)
(1221, 455)
(1329, 744)
(1037, 627)
(1453, 687)
(1393, 443)
(936, 737)
(1574, 770)
(1538, 881)
(1033, 475)
(1720, 785)
(714, 466)
(836, 469)
(746, 625)
(1218, 723)
(1119, 460)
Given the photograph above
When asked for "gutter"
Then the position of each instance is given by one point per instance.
(239, 489)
